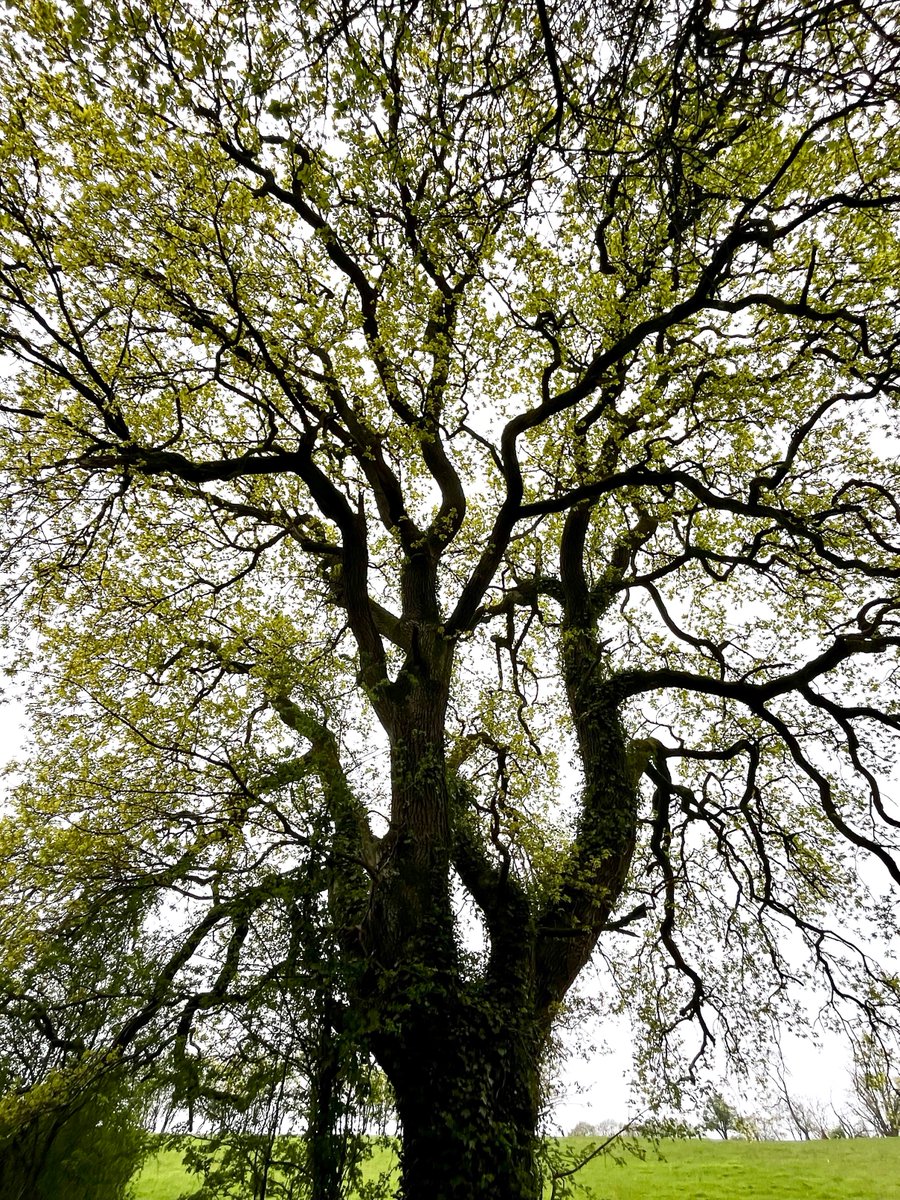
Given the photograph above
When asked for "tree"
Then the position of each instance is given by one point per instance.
(584, 1129)
(76, 1131)
(805, 1118)
(72, 1113)
(87, 1147)
(720, 1117)
(442, 485)
(876, 1081)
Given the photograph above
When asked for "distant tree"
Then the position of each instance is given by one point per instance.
(667, 1126)
(443, 494)
(807, 1119)
(876, 1081)
(765, 1125)
(750, 1127)
(719, 1116)
(810, 1119)
(72, 1111)
(583, 1129)
(77, 1134)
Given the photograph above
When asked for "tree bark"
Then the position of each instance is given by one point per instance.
(461, 1047)
(466, 1083)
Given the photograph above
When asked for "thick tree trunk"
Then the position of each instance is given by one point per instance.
(462, 1050)
(467, 1097)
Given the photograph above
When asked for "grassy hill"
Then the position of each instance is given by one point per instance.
(858, 1169)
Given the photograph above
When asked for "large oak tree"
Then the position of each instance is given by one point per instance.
(450, 484)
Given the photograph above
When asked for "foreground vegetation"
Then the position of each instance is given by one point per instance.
(843, 1169)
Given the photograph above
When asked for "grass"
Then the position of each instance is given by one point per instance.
(864, 1169)
(857, 1169)
(163, 1177)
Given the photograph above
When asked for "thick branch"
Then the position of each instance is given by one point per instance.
(354, 835)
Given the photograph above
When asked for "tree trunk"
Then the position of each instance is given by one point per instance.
(327, 1149)
(462, 1051)
(467, 1093)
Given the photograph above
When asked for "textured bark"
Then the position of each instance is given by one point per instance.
(462, 1048)
(600, 855)
(466, 1082)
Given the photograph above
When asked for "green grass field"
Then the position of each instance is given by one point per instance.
(865, 1169)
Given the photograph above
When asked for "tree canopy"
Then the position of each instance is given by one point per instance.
(450, 484)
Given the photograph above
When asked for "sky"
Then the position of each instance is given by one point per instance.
(597, 1090)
